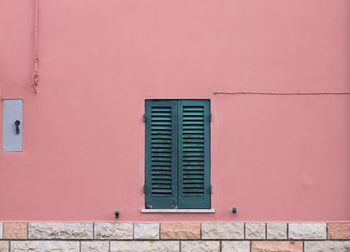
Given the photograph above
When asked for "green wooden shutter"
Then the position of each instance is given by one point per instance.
(194, 153)
(161, 154)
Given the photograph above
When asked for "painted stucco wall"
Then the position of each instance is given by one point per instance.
(273, 157)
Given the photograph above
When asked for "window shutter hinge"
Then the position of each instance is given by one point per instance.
(210, 117)
(144, 118)
(210, 189)
(145, 189)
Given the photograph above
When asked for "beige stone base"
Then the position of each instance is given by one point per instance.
(174, 236)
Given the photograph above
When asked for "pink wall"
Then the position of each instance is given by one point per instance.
(274, 158)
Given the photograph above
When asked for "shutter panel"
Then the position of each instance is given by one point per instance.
(161, 154)
(194, 153)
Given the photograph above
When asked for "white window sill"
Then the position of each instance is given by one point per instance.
(184, 211)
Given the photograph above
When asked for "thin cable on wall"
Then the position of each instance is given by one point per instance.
(36, 54)
(279, 93)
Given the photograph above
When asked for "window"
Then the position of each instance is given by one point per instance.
(177, 154)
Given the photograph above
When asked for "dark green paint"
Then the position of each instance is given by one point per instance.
(177, 154)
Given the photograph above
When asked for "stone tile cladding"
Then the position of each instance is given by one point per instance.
(175, 236)
(180, 231)
(15, 230)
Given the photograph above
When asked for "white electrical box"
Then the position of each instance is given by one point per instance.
(12, 125)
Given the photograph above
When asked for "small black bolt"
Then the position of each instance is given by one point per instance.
(234, 210)
(116, 214)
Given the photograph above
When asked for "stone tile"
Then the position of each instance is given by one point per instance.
(276, 231)
(118, 231)
(327, 246)
(307, 231)
(200, 246)
(49, 231)
(228, 230)
(146, 231)
(4, 246)
(45, 246)
(145, 246)
(236, 246)
(255, 231)
(339, 231)
(15, 230)
(180, 231)
(277, 246)
(94, 246)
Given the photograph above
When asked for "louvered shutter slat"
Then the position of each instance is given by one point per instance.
(161, 148)
(193, 154)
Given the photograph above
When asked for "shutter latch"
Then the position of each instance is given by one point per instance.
(210, 189)
(173, 203)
